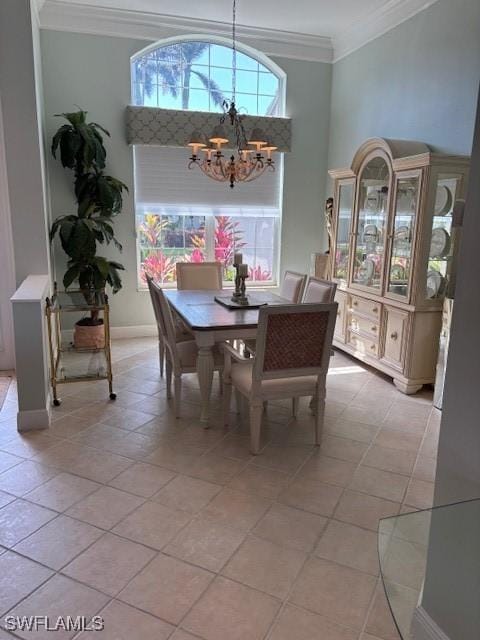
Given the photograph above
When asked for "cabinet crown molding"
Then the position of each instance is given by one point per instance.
(403, 154)
(393, 148)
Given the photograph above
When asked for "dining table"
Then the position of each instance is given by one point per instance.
(210, 323)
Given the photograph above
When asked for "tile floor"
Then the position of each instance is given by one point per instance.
(168, 530)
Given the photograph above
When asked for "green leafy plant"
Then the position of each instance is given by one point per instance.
(99, 200)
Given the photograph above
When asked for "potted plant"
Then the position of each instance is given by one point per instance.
(99, 200)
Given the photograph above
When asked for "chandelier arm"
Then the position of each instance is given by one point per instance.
(211, 175)
(216, 172)
(254, 173)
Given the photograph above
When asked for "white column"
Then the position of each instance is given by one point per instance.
(31, 353)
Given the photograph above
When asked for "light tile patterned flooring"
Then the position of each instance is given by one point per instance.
(169, 530)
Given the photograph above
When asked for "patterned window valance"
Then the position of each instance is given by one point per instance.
(173, 128)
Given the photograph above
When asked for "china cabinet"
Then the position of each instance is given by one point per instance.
(392, 255)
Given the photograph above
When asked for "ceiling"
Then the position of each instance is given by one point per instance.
(323, 30)
(315, 17)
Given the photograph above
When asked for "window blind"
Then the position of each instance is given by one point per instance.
(163, 178)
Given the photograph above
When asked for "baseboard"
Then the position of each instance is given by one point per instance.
(33, 420)
(137, 331)
(122, 333)
(425, 628)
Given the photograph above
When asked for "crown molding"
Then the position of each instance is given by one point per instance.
(80, 18)
(35, 8)
(376, 24)
(76, 17)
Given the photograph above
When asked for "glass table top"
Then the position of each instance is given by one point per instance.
(76, 300)
(403, 546)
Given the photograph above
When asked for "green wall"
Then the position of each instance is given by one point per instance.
(93, 72)
(418, 81)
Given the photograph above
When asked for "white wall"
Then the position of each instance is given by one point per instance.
(19, 87)
(452, 588)
(94, 73)
(7, 272)
(22, 139)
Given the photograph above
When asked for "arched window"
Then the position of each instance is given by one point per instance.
(181, 215)
(198, 75)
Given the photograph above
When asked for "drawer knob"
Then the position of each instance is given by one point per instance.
(355, 303)
(373, 347)
(394, 335)
(374, 328)
(375, 309)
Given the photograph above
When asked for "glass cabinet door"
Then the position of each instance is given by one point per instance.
(405, 211)
(370, 233)
(447, 190)
(343, 230)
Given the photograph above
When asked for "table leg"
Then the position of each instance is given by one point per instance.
(205, 365)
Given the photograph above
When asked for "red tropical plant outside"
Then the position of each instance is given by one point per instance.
(159, 267)
(196, 256)
(228, 239)
(258, 274)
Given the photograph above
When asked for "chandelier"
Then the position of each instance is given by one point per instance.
(249, 163)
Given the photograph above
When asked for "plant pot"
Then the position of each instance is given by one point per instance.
(87, 335)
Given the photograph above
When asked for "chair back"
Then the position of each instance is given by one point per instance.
(166, 323)
(292, 286)
(155, 305)
(294, 340)
(318, 290)
(199, 275)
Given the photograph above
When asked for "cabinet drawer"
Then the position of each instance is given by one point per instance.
(339, 332)
(396, 325)
(364, 325)
(363, 345)
(364, 306)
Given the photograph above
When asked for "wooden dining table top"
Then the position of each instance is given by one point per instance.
(201, 312)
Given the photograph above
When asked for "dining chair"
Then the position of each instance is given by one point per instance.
(318, 290)
(291, 360)
(199, 275)
(180, 356)
(292, 286)
(181, 334)
(291, 289)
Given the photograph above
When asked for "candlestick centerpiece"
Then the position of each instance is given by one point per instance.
(237, 261)
(241, 274)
